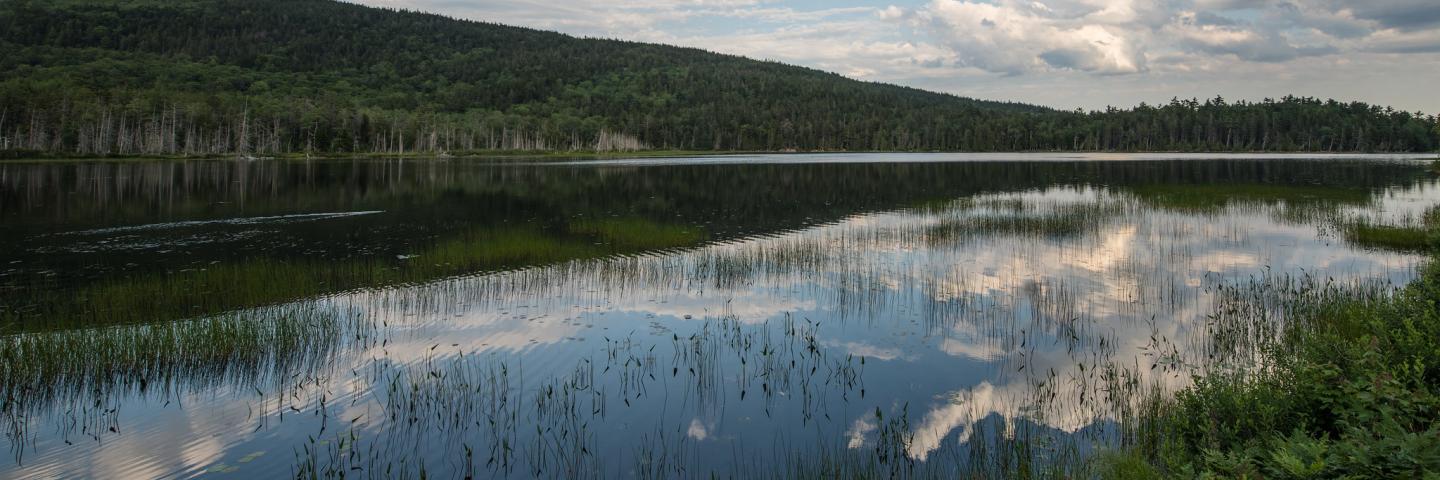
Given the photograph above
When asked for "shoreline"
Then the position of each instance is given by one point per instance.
(32, 157)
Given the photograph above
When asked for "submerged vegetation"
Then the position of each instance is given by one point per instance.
(1017, 219)
(1202, 198)
(223, 287)
(1347, 384)
(271, 77)
(1067, 328)
(477, 414)
(1413, 235)
(1385, 236)
(82, 376)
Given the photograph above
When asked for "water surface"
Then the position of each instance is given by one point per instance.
(649, 317)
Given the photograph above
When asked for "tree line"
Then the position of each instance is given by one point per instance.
(94, 77)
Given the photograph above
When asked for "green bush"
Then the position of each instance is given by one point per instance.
(1349, 391)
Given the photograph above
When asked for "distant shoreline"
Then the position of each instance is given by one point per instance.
(30, 157)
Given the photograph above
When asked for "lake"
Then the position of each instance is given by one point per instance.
(652, 317)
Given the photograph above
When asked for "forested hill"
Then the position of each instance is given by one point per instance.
(95, 77)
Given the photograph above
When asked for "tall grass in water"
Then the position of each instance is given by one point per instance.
(1202, 198)
(487, 418)
(481, 415)
(1012, 217)
(1346, 384)
(1411, 235)
(220, 288)
(82, 374)
(723, 363)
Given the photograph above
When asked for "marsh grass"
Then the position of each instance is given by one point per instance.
(726, 362)
(1408, 235)
(478, 413)
(998, 449)
(481, 415)
(1210, 197)
(225, 287)
(1013, 218)
(633, 234)
(1402, 239)
(80, 374)
(1343, 384)
(1286, 203)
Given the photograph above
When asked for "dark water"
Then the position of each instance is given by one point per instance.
(383, 318)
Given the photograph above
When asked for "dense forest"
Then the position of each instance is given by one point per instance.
(193, 77)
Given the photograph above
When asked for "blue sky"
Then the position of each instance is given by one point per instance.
(1061, 53)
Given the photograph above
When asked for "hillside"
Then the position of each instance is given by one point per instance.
(93, 77)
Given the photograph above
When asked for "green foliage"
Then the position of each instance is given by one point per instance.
(1203, 198)
(191, 293)
(94, 77)
(1405, 239)
(1125, 466)
(638, 233)
(244, 349)
(1352, 390)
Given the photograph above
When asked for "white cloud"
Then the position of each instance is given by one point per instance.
(1396, 41)
(1063, 53)
(1210, 34)
(697, 431)
(862, 427)
(1015, 38)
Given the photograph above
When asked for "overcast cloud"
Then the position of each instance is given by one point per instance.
(1061, 53)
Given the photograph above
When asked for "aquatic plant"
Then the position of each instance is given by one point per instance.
(228, 286)
(1347, 387)
(1087, 312)
(80, 374)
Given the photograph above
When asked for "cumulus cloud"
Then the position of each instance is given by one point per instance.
(1399, 14)
(1023, 49)
(1210, 34)
(1404, 42)
(1013, 37)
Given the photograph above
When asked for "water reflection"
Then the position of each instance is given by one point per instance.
(834, 317)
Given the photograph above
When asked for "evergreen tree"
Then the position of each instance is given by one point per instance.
(102, 77)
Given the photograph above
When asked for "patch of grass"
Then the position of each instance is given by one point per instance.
(225, 287)
(942, 205)
(1125, 466)
(1416, 237)
(1385, 237)
(85, 371)
(1010, 219)
(1349, 388)
(1210, 197)
(638, 233)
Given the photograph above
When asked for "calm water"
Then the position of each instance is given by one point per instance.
(652, 317)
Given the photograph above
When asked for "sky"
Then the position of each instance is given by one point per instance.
(1060, 53)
